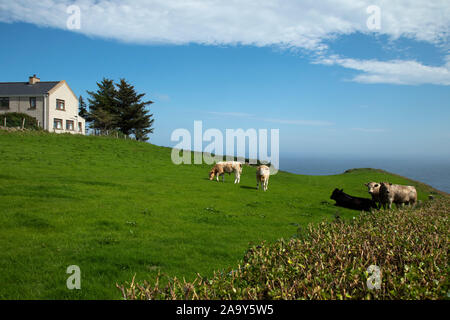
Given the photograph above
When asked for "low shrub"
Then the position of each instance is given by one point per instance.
(14, 120)
(330, 260)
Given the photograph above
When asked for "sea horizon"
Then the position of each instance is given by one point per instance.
(434, 172)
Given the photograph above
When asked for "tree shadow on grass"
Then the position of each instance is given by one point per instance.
(94, 183)
(6, 177)
(247, 187)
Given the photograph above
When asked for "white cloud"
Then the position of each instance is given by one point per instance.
(395, 72)
(231, 114)
(162, 97)
(303, 24)
(370, 130)
(298, 122)
(306, 24)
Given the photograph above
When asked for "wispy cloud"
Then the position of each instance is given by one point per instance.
(395, 71)
(298, 122)
(371, 130)
(162, 97)
(231, 114)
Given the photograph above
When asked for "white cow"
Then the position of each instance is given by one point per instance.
(262, 177)
(220, 168)
(398, 194)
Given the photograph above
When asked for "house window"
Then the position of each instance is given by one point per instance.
(69, 125)
(80, 127)
(32, 102)
(60, 105)
(4, 103)
(58, 124)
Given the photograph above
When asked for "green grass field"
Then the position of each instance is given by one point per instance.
(117, 208)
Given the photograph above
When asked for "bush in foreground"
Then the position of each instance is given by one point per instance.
(330, 261)
(15, 119)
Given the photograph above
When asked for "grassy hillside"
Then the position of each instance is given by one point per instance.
(117, 208)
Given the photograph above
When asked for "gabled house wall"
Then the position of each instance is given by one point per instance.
(46, 110)
(70, 113)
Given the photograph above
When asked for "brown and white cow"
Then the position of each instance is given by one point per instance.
(374, 191)
(220, 168)
(398, 194)
(262, 176)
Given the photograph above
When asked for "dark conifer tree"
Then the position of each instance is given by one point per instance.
(133, 116)
(102, 106)
(82, 109)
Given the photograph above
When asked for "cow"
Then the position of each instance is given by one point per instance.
(398, 194)
(262, 177)
(374, 191)
(220, 168)
(347, 201)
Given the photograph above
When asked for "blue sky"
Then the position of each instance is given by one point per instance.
(338, 92)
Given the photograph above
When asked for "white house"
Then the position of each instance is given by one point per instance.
(52, 103)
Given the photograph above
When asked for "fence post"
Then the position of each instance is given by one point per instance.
(4, 121)
(23, 123)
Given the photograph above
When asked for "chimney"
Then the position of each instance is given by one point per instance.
(33, 79)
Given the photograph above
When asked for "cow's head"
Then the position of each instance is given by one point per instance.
(385, 188)
(373, 187)
(336, 193)
(212, 173)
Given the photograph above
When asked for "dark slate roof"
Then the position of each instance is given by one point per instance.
(24, 88)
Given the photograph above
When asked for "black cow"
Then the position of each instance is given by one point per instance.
(347, 201)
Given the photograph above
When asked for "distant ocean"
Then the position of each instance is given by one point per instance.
(435, 173)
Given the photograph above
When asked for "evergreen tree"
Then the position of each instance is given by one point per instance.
(102, 106)
(133, 117)
(82, 109)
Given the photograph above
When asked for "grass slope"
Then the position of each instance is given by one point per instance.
(117, 208)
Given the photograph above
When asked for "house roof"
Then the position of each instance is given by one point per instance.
(24, 88)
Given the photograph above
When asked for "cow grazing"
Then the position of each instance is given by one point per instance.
(347, 201)
(398, 194)
(374, 191)
(262, 177)
(220, 168)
